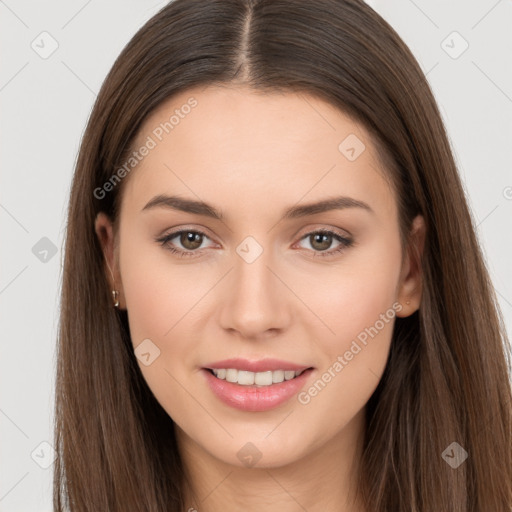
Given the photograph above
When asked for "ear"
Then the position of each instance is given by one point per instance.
(411, 278)
(105, 232)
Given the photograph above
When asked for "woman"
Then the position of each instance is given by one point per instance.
(273, 294)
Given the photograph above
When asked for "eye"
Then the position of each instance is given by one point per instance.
(190, 240)
(322, 239)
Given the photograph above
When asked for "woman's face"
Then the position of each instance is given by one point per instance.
(259, 284)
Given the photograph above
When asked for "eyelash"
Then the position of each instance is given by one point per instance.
(344, 242)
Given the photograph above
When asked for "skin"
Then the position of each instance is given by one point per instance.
(252, 155)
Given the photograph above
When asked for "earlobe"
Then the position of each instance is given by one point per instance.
(410, 287)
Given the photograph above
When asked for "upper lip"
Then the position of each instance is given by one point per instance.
(260, 365)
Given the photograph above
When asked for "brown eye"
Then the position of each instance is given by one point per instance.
(184, 242)
(191, 240)
(320, 241)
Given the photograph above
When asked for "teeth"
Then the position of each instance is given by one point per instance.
(246, 378)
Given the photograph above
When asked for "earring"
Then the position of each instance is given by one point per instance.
(407, 301)
(115, 293)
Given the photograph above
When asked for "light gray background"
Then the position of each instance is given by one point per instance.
(45, 106)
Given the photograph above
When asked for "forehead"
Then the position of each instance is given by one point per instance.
(219, 141)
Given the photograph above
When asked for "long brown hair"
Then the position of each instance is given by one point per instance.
(448, 374)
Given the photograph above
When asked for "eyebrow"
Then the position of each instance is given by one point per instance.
(202, 208)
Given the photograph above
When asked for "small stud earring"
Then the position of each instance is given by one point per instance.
(407, 301)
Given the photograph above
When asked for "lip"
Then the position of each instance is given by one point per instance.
(261, 365)
(254, 398)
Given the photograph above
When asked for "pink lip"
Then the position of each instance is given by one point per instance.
(262, 365)
(254, 398)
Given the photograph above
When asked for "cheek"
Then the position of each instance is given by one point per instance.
(158, 292)
(352, 296)
(356, 304)
(352, 364)
(159, 296)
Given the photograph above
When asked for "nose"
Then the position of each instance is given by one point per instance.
(255, 303)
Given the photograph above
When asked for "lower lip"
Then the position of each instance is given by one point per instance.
(253, 398)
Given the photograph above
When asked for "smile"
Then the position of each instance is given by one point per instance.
(247, 378)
